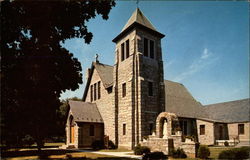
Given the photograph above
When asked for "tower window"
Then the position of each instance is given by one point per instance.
(127, 48)
(122, 52)
(91, 130)
(99, 89)
(123, 89)
(150, 88)
(91, 93)
(202, 129)
(124, 129)
(152, 49)
(94, 91)
(145, 47)
(241, 128)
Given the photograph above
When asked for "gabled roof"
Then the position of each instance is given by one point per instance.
(138, 17)
(229, 112)
(138, 20)
(179, 101)
(85, 112)
(105, 72)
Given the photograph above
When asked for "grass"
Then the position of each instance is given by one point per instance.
(215, 151)
(32, 153)
(59, 154)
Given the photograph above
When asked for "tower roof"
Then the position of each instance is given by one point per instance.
(138, 17)
(138, 20)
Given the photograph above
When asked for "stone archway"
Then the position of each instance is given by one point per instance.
(165, 117)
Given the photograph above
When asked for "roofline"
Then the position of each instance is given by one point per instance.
(88, 82)
(210, 105)
(90, 77)
(134, 25)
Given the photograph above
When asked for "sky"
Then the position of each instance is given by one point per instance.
(206, 47)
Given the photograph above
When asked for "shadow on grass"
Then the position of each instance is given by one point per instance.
(44, 154)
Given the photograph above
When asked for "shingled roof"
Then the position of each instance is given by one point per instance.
(229, 112)
(138, 17)
(85, 112)
(140, 21)
(182, 103)
(179, 101)
(105, 72)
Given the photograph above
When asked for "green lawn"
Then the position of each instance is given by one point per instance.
(31, 153)
(215, 151)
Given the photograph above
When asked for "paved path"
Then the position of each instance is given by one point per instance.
(116, 154)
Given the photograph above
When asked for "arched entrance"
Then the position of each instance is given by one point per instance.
(71, 130)
(165, 123)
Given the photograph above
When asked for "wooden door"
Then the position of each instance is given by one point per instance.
(72, 134)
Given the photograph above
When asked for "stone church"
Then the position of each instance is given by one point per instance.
(130, 102)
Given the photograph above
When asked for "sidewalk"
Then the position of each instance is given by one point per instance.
(116, 154)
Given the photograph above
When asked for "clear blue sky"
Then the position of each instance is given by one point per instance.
(206, 46)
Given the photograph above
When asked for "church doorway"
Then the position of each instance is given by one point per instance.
(72, 130)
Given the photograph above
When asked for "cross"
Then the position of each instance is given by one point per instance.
(96, 57)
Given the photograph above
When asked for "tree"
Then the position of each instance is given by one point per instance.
(35, 69)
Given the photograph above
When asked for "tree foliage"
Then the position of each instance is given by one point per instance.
(35, 69)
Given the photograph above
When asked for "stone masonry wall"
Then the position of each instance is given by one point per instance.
(233, 131)
(105, 106)
(208, 137)
(150, 70)
(126, 103)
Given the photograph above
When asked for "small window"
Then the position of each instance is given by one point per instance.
(94, 91)
(99, 89)
(91, 130)
(110, 89)
(152, 49)
(151, 128)
(145, 47)
(150, 88)
(241, 129)
(127, 48)
(91, 93)
(202, 129)
(122, 52)
(124, 129)
(123, 89)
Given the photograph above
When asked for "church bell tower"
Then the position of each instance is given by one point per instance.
(138, 80)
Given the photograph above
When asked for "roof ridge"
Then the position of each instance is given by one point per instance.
(210, 105)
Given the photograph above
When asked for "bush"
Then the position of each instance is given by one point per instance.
(97, 144)
(154, 155)
(235, 153)
(203, 152)
(226, 143)
(28, 140)
(179, 153)
(140, 150)
(111, 145)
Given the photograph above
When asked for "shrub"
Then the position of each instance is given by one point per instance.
(111, 145)
(28, 140)
(154, 155)
(235, 153)
(203, 152)
(179, 153)
(140, 150)
(97, 144)
(226, 143)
